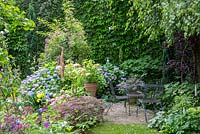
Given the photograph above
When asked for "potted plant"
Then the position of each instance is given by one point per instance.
(93, 77)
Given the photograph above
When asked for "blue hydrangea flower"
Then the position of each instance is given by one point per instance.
(30, 93)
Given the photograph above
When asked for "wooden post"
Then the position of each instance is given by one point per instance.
(62, 64)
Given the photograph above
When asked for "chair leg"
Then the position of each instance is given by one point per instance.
(129, 107)
(137, 111)
(109, 108)
(154, 109)
(145, 112)
(137, 107)
(125, 106)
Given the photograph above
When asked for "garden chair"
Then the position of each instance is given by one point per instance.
(131, 92)
(116, 97)
(134, 94)
(152, 95)
(132, 88)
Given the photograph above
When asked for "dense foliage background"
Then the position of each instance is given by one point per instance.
(112, 35)
(131, 29)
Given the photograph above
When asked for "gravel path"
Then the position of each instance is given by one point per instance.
(118, 114)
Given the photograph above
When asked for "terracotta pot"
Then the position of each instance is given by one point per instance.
(91, 88)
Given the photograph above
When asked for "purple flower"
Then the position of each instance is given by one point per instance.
(123, 79)
(106, 75)
(47, 40)
(28, 108)
(40, 110)
(24, 81)
(26, 126)
(44, 109)
(67, 96)
(47, 97)
(24, 113)
(46, 124)
(73, 107)
(9, 120)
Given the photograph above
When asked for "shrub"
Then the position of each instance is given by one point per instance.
(112, 73)
(74, 77)
(81, 113)
(41, 86)
(145, 67)
(9, 77)
(68, 34)
(65, 114)
(180, 122)
(181, 118)
(176, 89)
(12, 119)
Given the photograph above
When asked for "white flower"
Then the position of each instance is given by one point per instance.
(58, 67)
(77, 65)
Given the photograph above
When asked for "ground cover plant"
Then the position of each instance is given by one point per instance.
(181, 113)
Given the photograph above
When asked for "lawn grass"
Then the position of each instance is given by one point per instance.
(111, 128)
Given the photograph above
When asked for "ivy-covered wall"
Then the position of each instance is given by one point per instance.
(113, 34)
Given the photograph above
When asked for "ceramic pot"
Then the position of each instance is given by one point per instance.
(91, 88)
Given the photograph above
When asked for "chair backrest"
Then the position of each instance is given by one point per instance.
(112, 89)
(113, 92)
(153, 91)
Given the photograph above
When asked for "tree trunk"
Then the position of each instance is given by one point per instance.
(196, 53)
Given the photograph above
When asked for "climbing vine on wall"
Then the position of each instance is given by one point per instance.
(112, 32)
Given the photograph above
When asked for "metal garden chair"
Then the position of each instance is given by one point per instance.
(115, 97)
(131, 91)
(152, 95)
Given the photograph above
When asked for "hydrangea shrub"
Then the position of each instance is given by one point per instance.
(42, 85)
(113, 73)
